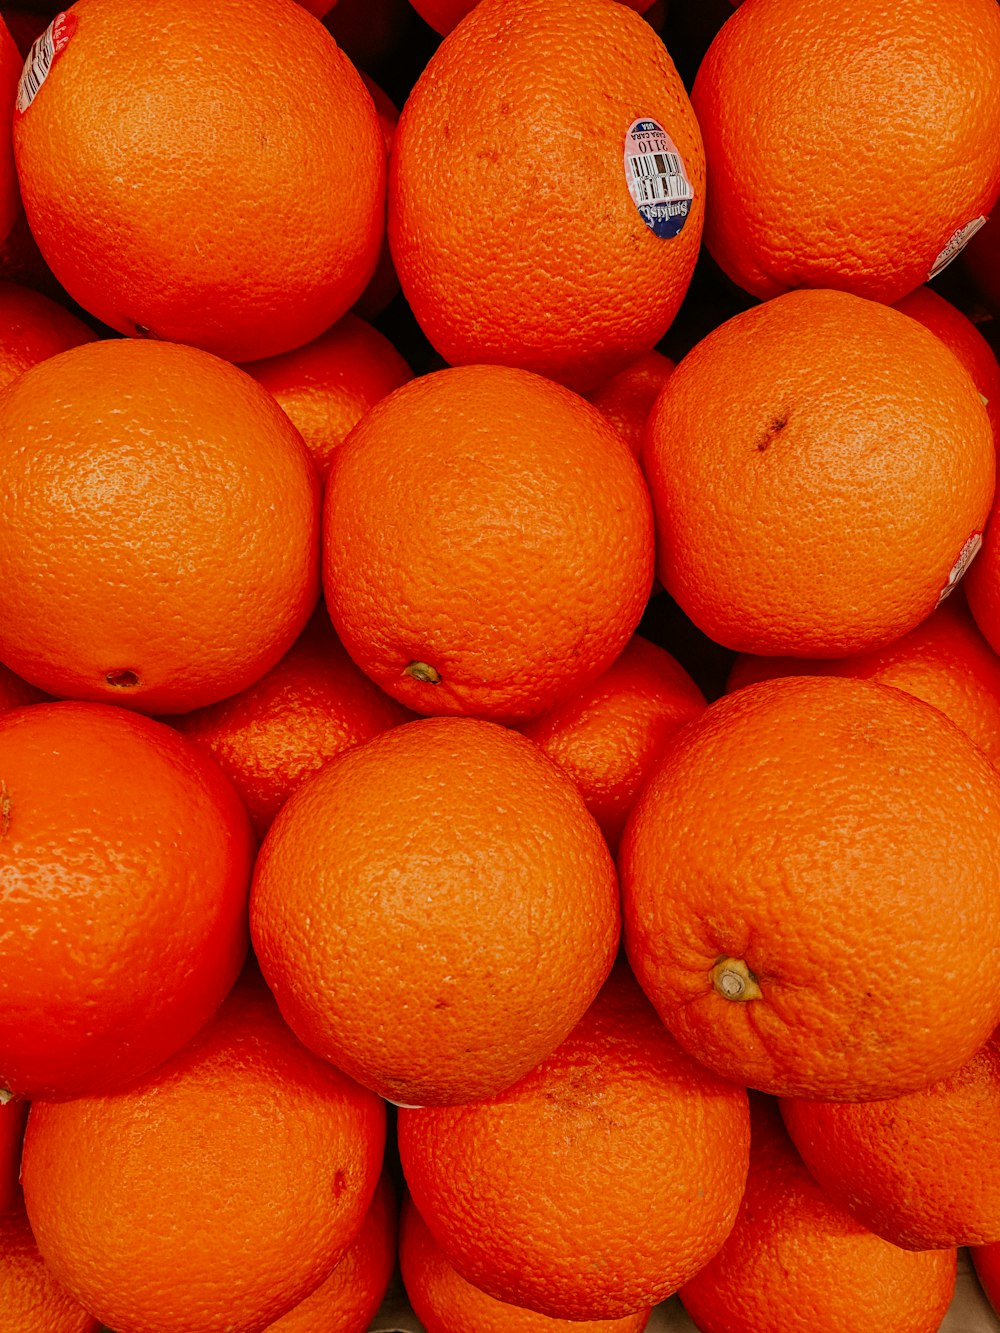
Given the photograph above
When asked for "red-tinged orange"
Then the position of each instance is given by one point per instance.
(15, 692)
(627, 399)
(31, 1300)
(12, 1117)
(33, 328)
(125, 856)
(986, 1261)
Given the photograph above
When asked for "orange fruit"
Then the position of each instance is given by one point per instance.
(347, 1301)
(597, 1184)
(447, 482)
(383, 284)
(796, 1262)
(165, 210)
(627, 399)
(215, 1193)
(454, 853)
(921, 1170)
(327, 386)
(981, 261)
(15, 692)
(944, 661)
(303, 712)
(10, 74)
(12, 1118)
(546, 190)
(821, 468)
(160, 540)
(33, 328)
(794, 839)
(608, 736)
(983, 589)
(445, 1303)
(958, 333)
(125, 857)
(819, 174)
(31, 1300)
(986, 1261)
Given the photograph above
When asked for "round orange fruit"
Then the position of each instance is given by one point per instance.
(627, 399)
(33, 328)
(31, 1300)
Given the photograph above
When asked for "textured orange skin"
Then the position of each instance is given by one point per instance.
(796, 1262)
(445, 1303)
(170, 205)
(12, 1118)
(511, 225)
(326, 387)
(807, 826)
(944, 661)
(10, 72)
(958, 333)
(981, 261)
(817, 465)
(609, 735)
(435, 910)
(442, 15)
(214, 1194)
(33, 328)
(492, 525)
(818, 173)
(284, 727)
(383, 284)
(596, 1185)
(986, 1261)
(159, 515)
(30, 1298)
(627, 399)
(922, 1171)
(349, 1298)
(125, 860)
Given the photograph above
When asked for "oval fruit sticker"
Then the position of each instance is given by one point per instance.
(43, 54)
(657, 179)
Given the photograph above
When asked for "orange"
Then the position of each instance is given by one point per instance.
(215, 1193)
(166, 209)
(435, 910)
(868, 154)
(10, 74)
(383, 284)
(546, 190)
(944, 661)
(608, 736)
(782, 879)
(15, 692)
(442, 15)
(981, 261)
(445, 1303)
(125, 857)
(821, 469)
(986, 1261)
(627, 399)
(596, 1185)
(488, 543)
(347, 1301)
(303, 712)
(983, 589)
(961, 335)
(31, 1300)
(12, 1118)
(33, 328)
(326, 387)
(796, 1262)
(160, 536)
(922, 1170)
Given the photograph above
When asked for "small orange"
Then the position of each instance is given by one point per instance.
(12, 1118)
(168, 208)
(349, 1298)
(160, 526)
(214, 1194)
(983, 589)
(627, 399)
(546, 190)
(597, 1184)
(986, 1260)
(31, 1300)
(488, 543)
(302, 713)
(327, 386)
(435, 910)
(125, 857)
(781, 879)
(922, 1170)
(445, 1303)
(945, 661)
(32, 328)
(821, 469)
(818, 174)
(796, 1262)
(608, 735)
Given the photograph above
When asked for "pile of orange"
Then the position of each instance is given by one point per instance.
(499, 664)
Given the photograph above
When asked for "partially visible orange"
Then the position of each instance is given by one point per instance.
(11, 64)
(31, 1300)
(986, 1261)
(627, 399)
(12, 1117)
(33, 328)
(384, 284)
(15, 692)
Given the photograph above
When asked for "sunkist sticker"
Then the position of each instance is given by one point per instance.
(955, 245)
(965, 558)
(44, 52)
(657, 179)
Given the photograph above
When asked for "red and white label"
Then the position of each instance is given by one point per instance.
(44, 52)
(955, 245)
(965, 558)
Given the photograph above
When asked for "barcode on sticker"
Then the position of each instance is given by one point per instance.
(41, 58)
(656, 178)
(965, 558)
(659, 176)
(955, 245)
